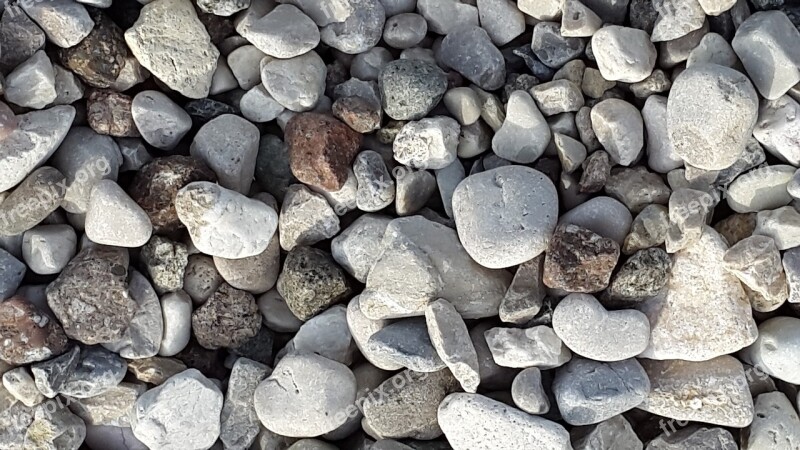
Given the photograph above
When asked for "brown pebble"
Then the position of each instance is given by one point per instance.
(109, 113)
(579, 260)
(99, 57)
(228, 319)
(28, 334)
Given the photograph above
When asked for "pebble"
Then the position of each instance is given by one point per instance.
(736, 227)
(676, 19)
(657, 83)
(557, 96)
(240, 425)
(623, 54)
(764, 39)
(689, 211)
(713, 49)
(159, 120)
(90, 297)
(501, 19)
(447, 180)
(553, 49)
(578, 20)
(176, 308)
(524, 134)
(537, 346)
(450, 338)
(777, 128)
(321, 159)
(775, 424)
(782, 225)
(277, 315)
(698, 276)
(98, 59)
(273, 171)
(761, 189)
(244, 230)
(642, 276)
(285, 32)
(376, 189)
(445, 16)
(405, 30)
(487, 215)
(429, 143)
(579, 260)
(769, 281)
(32, 83)
(593, 84)
(474, 421)
(113, 218)
(45, 185)
(65, 22)
(228, 145)
(620, 129)
(324, 12)
(311, 281)
(296, 83)
(774, 351)
(637, 188)
(326, 334)
(661, 156)
(358, 247)
(603, 215)
(306, 218)
(463, 104)
(571, 152)
(47, 249)
(360, 32)
(158, 418)
(713, 391)
(258, 106)
(222, 7)
(711, 144)
(227, 319)
(145, 330)
(616, 431)
(304, 413)
(29, 334)
(528, 393)
(108, 112)
(245, 65)
(589, 392)
(367, 66)
(410, 88)
(111, 408)
(541, 10)
(469, 50)
(579, 319)
(361, 329)
(94, 372)
(165, 262)
(407, 343)
(20, 37)
(524, 296)
(413, 190)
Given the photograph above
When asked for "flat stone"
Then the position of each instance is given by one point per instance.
(444, 16)
(228, 145)
(29, 334)
(157, 419)
(558, 96)
(620, 129)
(553, 49)
(143, 336)
(528, 393)
(408, 344)
(363, 116)
(637, 188)
(311, 281)
(450, 338)
(32, 84)
(239, 424)
(589, 392)
(713, 391)
(95, 372)
(778, 128)
(361, 329)
(469, 50)
(579, 260)
(65, 22)
(19, 383)
(113, 218)
(791, 265)
(538, 346)
(782, 225)
(524, 134)
(171, 42)
(524, 296)
(161, 122)
(326, 334)
(760, 189)
(296, 83)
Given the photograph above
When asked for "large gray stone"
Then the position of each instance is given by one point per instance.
(469, 51)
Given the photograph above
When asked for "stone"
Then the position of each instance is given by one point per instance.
(615, 432)
(487, 216)
(29, 334)
(245, 64)
(711, 144)
(434, 265)
(593, 84)
(358, 247)
(474, 421)
(692, 437)
(528, 393)
(155, 370)
(176, 309)
(65, 22)
(469, 50)
(429, 143)
(158, 421)
(778, 129)
(761, 189)
(311, 281)
(405, 30)
(284, 82)
(223, 222)
(501, 19)
(111, 408)
(524, 296)
(557, 96)
(620, 129)
(713, 49)
(450, 338)
(326, 334)
(444, 17)
(642, 276)
(713, 391)
(537, 346)
(363, 116)
(591, 331)
(304, 413)
(20, 37)
(165, 262)
(791, 266)
(171, 42)
(661, 156)
(90, 297)
(32, 83)
(623, 54)
(578, 20)
(145, 330)
(113, 218)
(98, 59)
(407, 344)
(579, 260)
(59, 429)
(39, 194)
(47, 249)
(782, 225)
(571, 152)
(674, 321)
(160, 121)
(589, 392)
(541, 10)
(689, 211)
(361, 329)
(775, 423)
(773, 352)
(255, 274)
(156, 185)
(553, 49)
(321, 158)
(306, 218)
(95, 372)
(201, 278)
(603, 215)
(273, 171)
(285, 32)
(131, 74)
(376, 189)
(463, 104)
(736, 227)
(228, 319)
(676, 18)
(360, 32)
(768, 281)
(51, 375)
(109, 113)
(228, 145)
(410, 89)
(657, 83)
(19, 383)
(524, 134)
(413, 190)
(637, 188)
(239, 424)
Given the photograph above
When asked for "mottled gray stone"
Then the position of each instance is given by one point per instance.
(111, 408)
(620, 129)
(528, 393)
(408, 344)
(623, 54)
(32, 84)
(165, 261)
(311, 281)
(429, 143)
(239, 424)
(553, 49)
(297, 83)
(65, 22)
(228, 145)
(360, 31)
(160, 121)
(142, 339)
(469, 51)
(524, 133)
(306, 218)
(358, 247)
(538, 346)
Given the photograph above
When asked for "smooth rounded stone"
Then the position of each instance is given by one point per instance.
(676, 19)
(713, 391)
(245, 65)
(579, 260)
(360, 31)
(296, 83)
(405, 30)
(90, 297)
(774, 351)
(367, 66)
(327, 335)
(258, 106)
(413, 190)
(98, 59)
(358, 247)
(715, 144)
(469, 51)
(640, 277)
(760, 189)
(528, 393)
(538, 346)
(571, 152)
(444, 16)
(321, 150)
(255, 274)
(487, 218)
(428, 143)
(782, 225)
(145, 330)
(171, 42)
(615, 432)
(553, 49)
(159, 419)
(285, 32)
(13, 273)
(474, 421)
(165, 262)
(311, 281)
(227, 319)
(524, 134)
(29, 334)
(32, 83)
(603, 215)
(657, 83)
(201, 278)
(679, 329)
(224, 223)
(764, 40)
(239, 425)
(433, 265)
(376, 189)
(47, 249)
(474, 139)
(410, 88)
(620, 129)
(447, 180)
(273, 171)
(589, 392)
(713, 49)
(65, 22)
(791, 265)
(306, 218)
(39, 194)
(277, 315)
(324, 12)
(361, 329)
(502, 20)
(450, 338)
(176, 308)
(623, 54)
(637, 188)
(778, 128)
(407, 343)
(160, 121)
(19, 383)
(228, 145)
(303, 412)
(768, 281)
(593, 84)
(775, 425)
(555, 97)
(661, 156)
(589, 330)
(463, 104)
(113, 218)
(20, 37)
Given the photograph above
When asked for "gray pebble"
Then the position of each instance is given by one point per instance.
(692, 437)
(777, 128)
(444, 16)
(284, 33)
(360, 31)
(775, 425)
(165, 262)
(528, 393)
(255, 274)
(557, 96)
(228, 145)
(527, 347)
(661, 156)
(578, 20)
(113, 218)
(306, 218)
(65, 22)
(245, 65)
(48, 248)
(469, 51)
(311, 281)
(620, 129)
(623, 54)
(297, 83)
(410, 89)
(367, 66)
(676, 19)
(407, 343)
(463, 104)
(376, 189)
(32, 84)
(361, 329)
(358, 247)
(429, 143)
(616, 431)
(602, 215)
(404, 31)
(450, 338)
(414, 189)
(142, 338)
(553, 49)
(239, 424)
(501, 19)
(775, 350)
(524, 134)
(258, 106)
(325, 11)
(201, 278)
(159, 120)
(39, 194)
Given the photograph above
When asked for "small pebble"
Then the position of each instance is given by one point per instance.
(429, 143)
(159, 120)
(782, 225)
(65, 22)
(113, 218)
(227, 319)
(578, 20)
(603, 215)
(410, 89)
(407, 343)
(553, 49)
(623, 54)
(530, 347)
(284, 82)
(620, 129)
(579, 260)
(47, 249)
(404, 31)
(358, 247)
(311, 281)
(528, 393)
(450, 338)
(469, 51)
(524, 134)
(145, 331)
(286, 32)
(29, 334)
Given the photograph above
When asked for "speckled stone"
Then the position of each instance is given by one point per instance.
(29, 334)
(311, 281)
(98, 59)
(109, 113)
(228, 319)
(410, 89)
(579, 260)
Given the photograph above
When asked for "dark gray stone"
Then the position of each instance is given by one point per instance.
(311, 281)
(411, 88)
(553, 49)
(12, 271)
(20, 37)
(407, 343)
(469, 51)
(641, 276)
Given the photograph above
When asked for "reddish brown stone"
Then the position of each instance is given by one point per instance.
(579, 260)
(321, 149)
(28, 335)
(596, 170)
(155, 186)
(109, 113)
(228, 319)
(98, 58)
(360, 114)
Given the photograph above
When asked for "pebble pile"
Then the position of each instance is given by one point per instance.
(400, 224)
